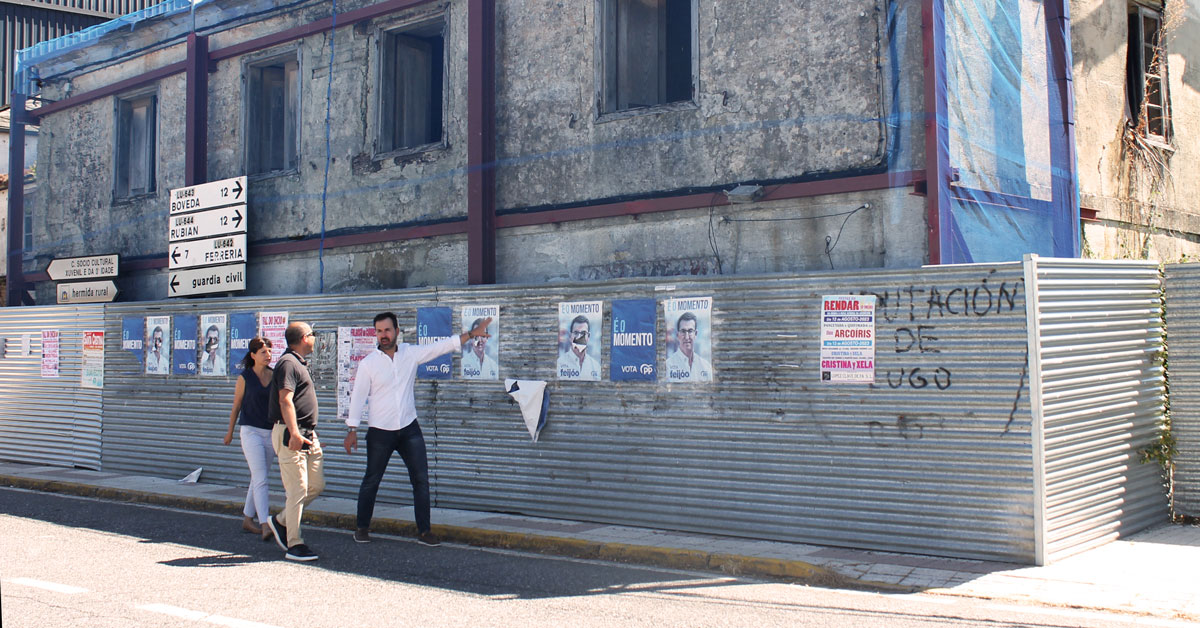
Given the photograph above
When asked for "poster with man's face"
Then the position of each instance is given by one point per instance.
(580, 345)
(481, 356)
(689, 339)
(213, 346)
(158, 345)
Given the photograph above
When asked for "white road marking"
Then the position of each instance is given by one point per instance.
(1090, 614)
(219, 620)
(49, 586)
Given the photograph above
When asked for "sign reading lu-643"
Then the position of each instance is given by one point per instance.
(208, 195)
(208, 223)
(220, 250)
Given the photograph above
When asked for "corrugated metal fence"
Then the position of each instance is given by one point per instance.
(936, 457)
(1183, 340)
(48, 420)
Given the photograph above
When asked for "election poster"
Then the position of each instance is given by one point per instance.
(848, 339)
(434, 326)
(579, 340)
(213, 346)
(243, 327)
(354, 344)
(50, 353)
(481, 356)
(91, 374)
(634, 351)
(158, 349)
(133, 331)
(183, 345)
(272, 325)
(689, 339)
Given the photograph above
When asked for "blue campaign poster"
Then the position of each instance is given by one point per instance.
(183, 346)
(243, 326)
(433, 325)
(133, 329)
(633, 341)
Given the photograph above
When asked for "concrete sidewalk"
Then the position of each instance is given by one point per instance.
(1151, 574)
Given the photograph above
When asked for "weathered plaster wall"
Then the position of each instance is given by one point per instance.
(1134, 222)
(776, 100)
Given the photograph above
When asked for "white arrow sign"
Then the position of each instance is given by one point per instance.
(227, 278)
(208, 195)
(209, 223)
(87, 292)
(219, 250)
(73, 268)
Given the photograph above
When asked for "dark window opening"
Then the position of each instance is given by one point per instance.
(647, 58)
(272, 105)
(135, 146)
(411, 94)
(1146, 73)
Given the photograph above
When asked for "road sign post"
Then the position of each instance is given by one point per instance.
(87, 292)
(81, 268)
(206, 238)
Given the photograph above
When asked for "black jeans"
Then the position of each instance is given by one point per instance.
(409, 442)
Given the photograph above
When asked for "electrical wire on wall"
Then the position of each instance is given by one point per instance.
(328, 150)
(831, 242)
(712, 230)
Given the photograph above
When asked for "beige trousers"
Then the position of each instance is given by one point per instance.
(303, 480)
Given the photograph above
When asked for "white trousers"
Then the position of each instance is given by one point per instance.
(256, 445)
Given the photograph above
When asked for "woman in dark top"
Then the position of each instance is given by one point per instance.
(250, 402)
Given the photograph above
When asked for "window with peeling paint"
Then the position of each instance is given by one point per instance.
(136, 121)
(647, 55)
(413, 60)
(1146, 68)
(272, 103)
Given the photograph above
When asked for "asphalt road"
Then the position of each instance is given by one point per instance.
(70, 561)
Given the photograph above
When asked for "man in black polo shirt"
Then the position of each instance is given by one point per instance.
(293, 409)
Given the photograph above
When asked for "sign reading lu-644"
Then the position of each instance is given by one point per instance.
(208, 223)
(219, 250)
(208, 195)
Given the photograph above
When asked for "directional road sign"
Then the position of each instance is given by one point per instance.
(219, 250)
(87, 292)
(228, 278)
(78, 268)
(207, 223)
(208, 195)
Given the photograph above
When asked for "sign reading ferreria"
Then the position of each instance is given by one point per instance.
(848, 339)
(80, 268)
(219, 250)
(208, 195)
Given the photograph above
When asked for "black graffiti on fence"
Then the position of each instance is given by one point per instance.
(905, 428)
(930, 302)
(940, 377)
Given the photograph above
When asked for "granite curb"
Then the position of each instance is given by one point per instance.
(795, 571)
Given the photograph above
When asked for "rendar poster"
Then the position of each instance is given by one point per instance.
(354, 344)
(481, 356)
(579, 340)
(848, 339)
(50, 353)
(689, 339)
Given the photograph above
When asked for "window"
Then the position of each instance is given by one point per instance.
(1146, 67)
(411, 86)
(135, 146)
(272, 107)
(647, 53)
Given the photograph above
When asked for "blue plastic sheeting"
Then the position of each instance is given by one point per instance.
(1012, 187)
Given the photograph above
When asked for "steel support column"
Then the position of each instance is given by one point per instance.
(481, 142)
(196, 123)
(937, 149)
(15, 286)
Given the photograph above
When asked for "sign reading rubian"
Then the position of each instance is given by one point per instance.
(206, 237)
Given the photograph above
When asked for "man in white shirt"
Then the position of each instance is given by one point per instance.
(386, 377)
(685, 365)
(575, 363)
(476, 363)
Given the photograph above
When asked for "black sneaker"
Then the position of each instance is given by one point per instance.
(362, 535)
(280, 532)
(300, 552)
(428, 538)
